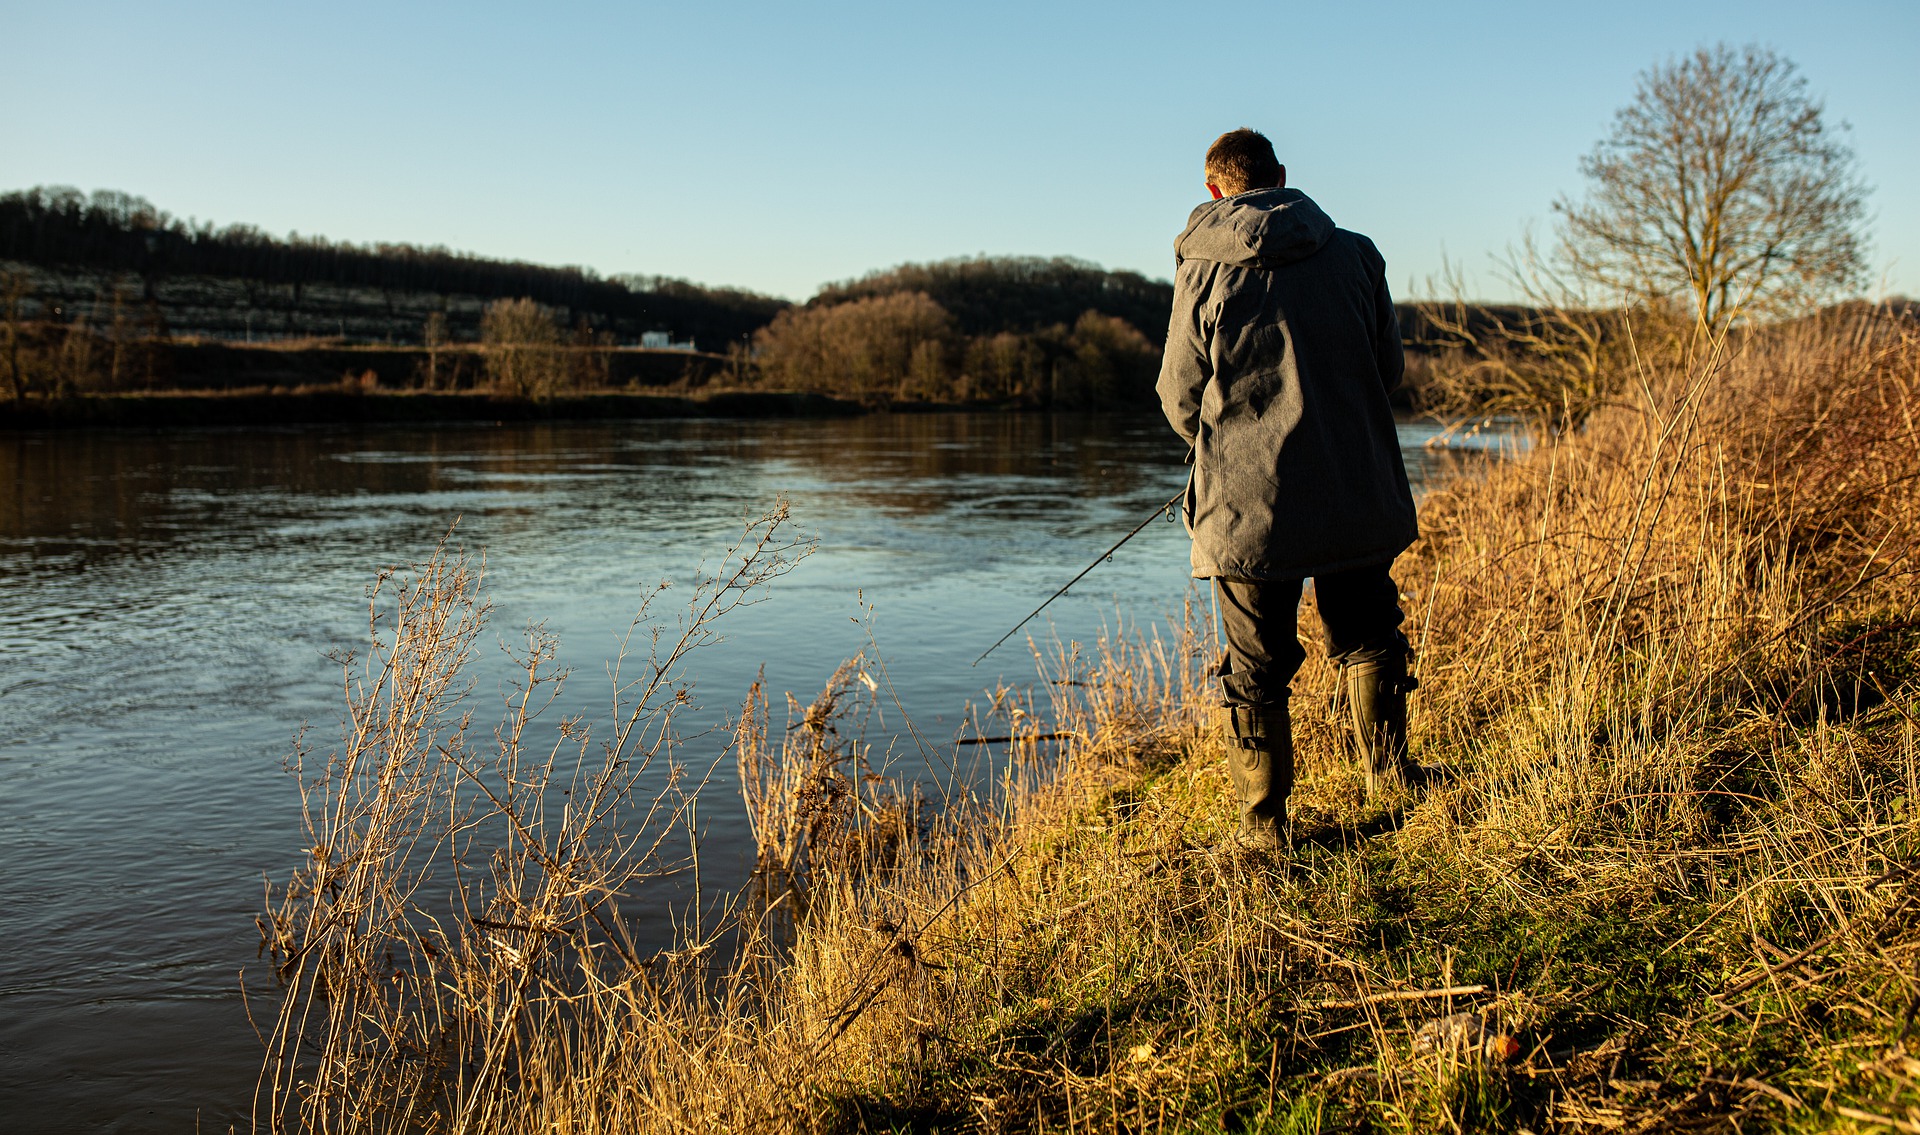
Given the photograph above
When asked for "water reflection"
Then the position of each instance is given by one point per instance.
(84, 492)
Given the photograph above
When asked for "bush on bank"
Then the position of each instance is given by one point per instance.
(906, 347)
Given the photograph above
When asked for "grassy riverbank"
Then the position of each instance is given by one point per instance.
(1670, 659)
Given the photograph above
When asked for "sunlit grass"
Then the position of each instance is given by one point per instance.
(1669, 661)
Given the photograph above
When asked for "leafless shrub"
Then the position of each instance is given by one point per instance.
(1551, 359)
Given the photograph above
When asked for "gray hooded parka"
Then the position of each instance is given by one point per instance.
(1281, 353)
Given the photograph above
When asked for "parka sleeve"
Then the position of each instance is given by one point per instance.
(1187, 363)
(1388, 353)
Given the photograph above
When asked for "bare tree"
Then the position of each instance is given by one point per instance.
(589, 357)
(121, 331)
(434, 335)
(1005, 365)
(73, 363)
(1721, 188)
(15, 287)
(1551, 358)
(524, 355)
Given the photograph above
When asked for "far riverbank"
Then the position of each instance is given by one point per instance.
(345, 405)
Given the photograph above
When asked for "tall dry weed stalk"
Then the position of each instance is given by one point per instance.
(450, 943)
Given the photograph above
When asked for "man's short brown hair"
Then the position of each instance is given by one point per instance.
(1240, 160)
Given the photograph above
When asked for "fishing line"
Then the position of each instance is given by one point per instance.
(1167, 509)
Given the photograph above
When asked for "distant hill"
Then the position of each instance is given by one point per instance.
(89, 253)
(110, 292)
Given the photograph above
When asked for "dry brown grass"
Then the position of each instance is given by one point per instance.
(1671, 659)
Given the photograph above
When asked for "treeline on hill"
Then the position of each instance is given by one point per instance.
(988, 294)
(1013, 330)
(117, 242)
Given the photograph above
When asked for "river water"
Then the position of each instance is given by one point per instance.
(168, 601)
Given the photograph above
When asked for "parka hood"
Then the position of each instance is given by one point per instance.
(1262, 228)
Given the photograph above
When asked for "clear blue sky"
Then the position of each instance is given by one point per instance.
(779, 146)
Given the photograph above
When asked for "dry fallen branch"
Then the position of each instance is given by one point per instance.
(1401, 995)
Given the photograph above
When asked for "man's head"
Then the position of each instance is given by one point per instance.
(1240, 160)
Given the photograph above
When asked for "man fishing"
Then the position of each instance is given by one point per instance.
(1281, 352)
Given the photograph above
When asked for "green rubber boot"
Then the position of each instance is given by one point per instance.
(1260, 759)
(1377, 689)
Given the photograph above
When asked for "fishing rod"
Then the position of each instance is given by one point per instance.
(1166, 508)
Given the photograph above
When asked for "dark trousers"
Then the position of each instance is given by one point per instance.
(1360, 609)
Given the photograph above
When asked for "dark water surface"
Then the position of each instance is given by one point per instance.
(167, 601)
